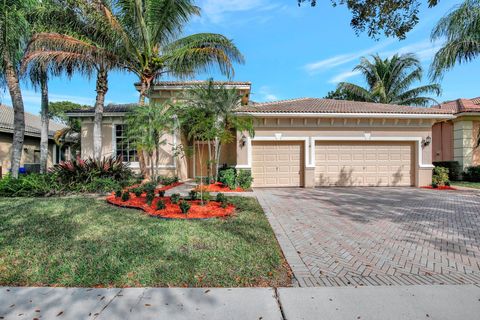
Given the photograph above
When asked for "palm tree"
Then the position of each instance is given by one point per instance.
(390, 80)
(461, 29)
(141, 37)
(14, 33)
(209, 113)
(77, 40)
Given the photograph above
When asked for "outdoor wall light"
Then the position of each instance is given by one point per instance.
(426, 141)
(243, 141)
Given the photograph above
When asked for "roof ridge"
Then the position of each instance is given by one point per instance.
(281, 101)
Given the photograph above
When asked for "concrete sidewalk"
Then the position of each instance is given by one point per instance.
(393, 303)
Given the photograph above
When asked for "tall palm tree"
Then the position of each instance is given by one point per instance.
(390, 80)
(14, 33)
(142, 37)
(461, 30)
(77, 40)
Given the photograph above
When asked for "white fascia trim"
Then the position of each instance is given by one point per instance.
(91, 114)
(349, 115)
(417, 140)
(186, 87)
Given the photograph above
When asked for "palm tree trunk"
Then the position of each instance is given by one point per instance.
(11, 78)
(218, 151)
(102, 88)
(45, 123)
(141, 155)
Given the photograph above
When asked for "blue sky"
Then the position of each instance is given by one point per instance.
(290, 52)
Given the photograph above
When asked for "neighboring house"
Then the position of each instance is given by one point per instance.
(301, 142)
(457, 139)
(31, 144)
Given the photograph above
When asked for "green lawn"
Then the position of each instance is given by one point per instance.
(85, 242)
(467, 184)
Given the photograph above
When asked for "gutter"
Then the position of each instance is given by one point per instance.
(350, 115)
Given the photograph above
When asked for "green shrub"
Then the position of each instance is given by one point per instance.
(98, 185)
(472, 174)
(150, 196)
(149, 187)
(204, 180)
(161, 205)
(205, 196)
(118, 194)
(454, 169)
(175, 198)
(434, 185)
(30, 185)
(184, 206)
(193, 195)
(220, 197)
(125, 196)
(161, 193)
(228, 177)
(166, 181)
(137, 191)
(440, 176)
(244, 179)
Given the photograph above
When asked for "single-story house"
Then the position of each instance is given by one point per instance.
(300, 142)
(31, 144)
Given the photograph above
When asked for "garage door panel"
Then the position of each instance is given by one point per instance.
(364, 163)
(277, 164)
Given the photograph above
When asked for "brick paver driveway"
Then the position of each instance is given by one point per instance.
(376, 236)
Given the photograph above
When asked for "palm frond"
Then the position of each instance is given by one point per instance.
(356, 92)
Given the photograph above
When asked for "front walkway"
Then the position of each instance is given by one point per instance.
(393, 303)
(376, 236)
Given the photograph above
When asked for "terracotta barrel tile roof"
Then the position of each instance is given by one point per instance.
(196, 82)
(461, 105)
(315, 105)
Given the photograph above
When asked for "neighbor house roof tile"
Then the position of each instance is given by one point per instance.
(315, 105)
(33, 123)
(461, 105)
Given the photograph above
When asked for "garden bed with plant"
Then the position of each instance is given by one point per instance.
(229, 180)
(76, 243)
(154, 202)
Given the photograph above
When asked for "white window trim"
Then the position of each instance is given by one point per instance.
(311, 141)
(136, 165)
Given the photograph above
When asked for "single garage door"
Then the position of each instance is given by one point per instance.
(277, 164)
(364, 163)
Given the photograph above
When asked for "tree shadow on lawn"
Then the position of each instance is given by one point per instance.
(69, 242)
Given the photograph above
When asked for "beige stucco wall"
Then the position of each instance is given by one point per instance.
(30, 145)
(87, 139)
(465, 135)
(343, 129)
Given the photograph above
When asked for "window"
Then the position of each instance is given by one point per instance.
(60, 153)
(124, 147)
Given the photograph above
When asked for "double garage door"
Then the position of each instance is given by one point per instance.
(280, 164)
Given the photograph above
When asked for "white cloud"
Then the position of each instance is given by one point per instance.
(424, 50)
(266, 94)
(343, 76)
(338, 60)
(33, 98)
(217, 10)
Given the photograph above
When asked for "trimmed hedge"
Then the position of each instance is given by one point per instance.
(472, 174)
(454, 169)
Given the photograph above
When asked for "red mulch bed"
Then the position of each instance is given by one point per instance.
(172, 211)
(439, 188)
(165, 188)
(218, 187)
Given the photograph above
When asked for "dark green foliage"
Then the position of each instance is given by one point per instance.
(204, 180)
(125, 196)
(244, 179)
(85, 171)
(440, 176)
(98, 185)
(149, 187)
(161, 205)
(453, 167)
(150, 196)
(161, 193)
(206, 197)
(434, 185)
(393, 18)
(137, 191)
(228, 177)
(175, 198)
(193, 195)
(118, 193)
(220, 197)
(166, 181)
(472, 174)
(184, 206)
(30, 185)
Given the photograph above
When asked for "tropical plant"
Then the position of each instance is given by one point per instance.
(125, 196)
(30, 185)
(15, 31)
(244, 179)
(161, 205)
(147, 129)
(209, 114)
(461, 30)
(228, 178)
(390, 81)
(184, 206)
(85, 171)
(174, 198)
